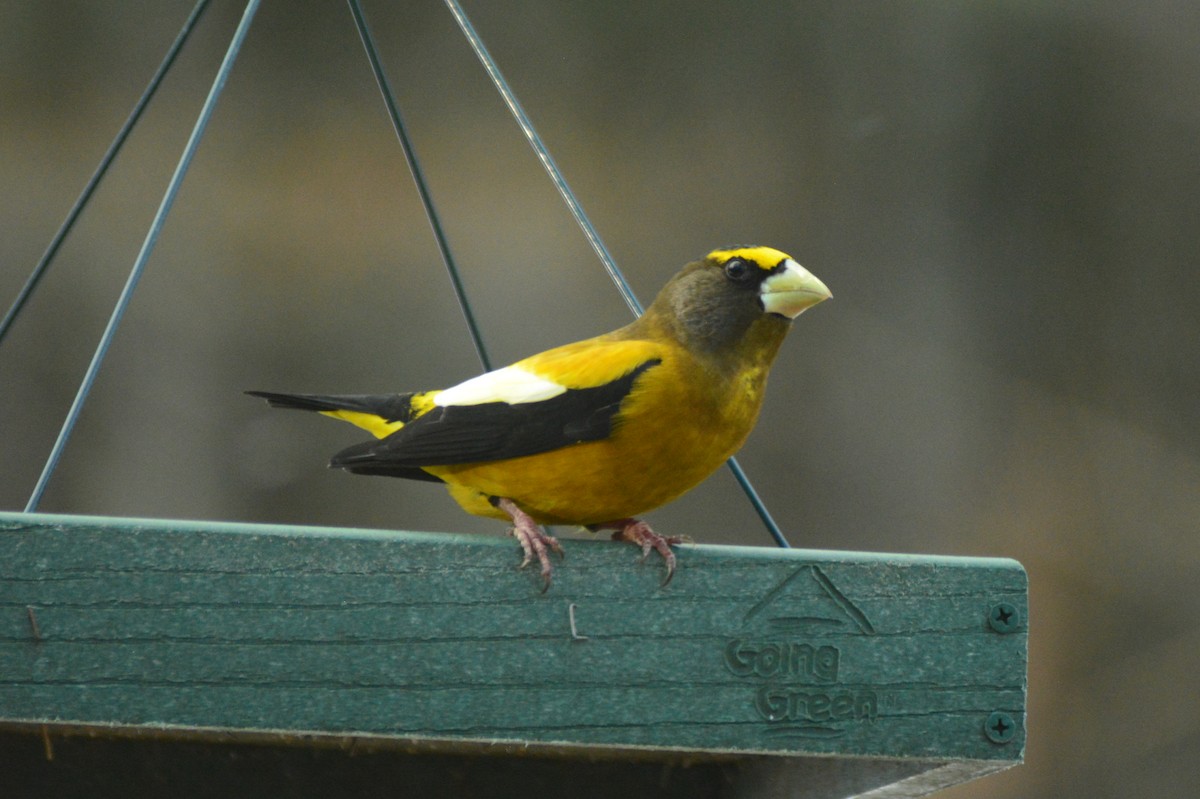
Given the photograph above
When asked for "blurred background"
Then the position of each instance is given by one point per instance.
(1004, 199)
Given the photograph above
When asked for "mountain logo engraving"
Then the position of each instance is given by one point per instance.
(790, 652)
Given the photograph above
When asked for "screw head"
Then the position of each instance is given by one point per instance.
(1000, 727)
(1004, 617)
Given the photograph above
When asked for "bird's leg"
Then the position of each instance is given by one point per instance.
(638, 532)
(535, 542)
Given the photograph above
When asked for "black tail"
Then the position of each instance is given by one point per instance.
(392, 407)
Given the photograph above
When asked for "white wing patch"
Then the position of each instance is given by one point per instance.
(510, 384)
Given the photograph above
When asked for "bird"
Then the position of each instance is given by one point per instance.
(597, 432)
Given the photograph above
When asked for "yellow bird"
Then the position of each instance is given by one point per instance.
(597, 432)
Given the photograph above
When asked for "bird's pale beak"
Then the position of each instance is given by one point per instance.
(793, 291)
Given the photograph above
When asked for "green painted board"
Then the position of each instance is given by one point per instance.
(794, 658)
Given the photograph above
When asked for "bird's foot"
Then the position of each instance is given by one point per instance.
(534, 541)
(638, 532)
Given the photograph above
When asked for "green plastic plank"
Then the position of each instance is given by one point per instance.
(908, 671)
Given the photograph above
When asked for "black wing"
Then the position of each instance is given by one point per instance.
(493, 431)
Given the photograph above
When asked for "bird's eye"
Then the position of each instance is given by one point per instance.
(737, 269)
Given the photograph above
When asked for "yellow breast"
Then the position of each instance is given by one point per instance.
(678, 425)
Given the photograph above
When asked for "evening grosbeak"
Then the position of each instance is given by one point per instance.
(597, 432)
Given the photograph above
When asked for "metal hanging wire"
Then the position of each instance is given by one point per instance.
(143, 256)
(109, 156)
(414, 167)
(543, 155)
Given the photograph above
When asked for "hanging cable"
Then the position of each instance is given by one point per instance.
(543, 155)
(418, 176)
(589, 231)
(143, 256)
(42, 265)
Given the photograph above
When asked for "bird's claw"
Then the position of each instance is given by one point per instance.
(535, 542)
(639, 533)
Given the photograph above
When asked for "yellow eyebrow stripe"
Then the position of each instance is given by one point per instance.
(766, 258)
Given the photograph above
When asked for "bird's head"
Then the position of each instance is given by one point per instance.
(720, 301)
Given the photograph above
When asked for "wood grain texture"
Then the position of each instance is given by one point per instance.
(440, 638)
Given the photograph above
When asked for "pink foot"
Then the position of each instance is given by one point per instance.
(638, 532)
(535, 543)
